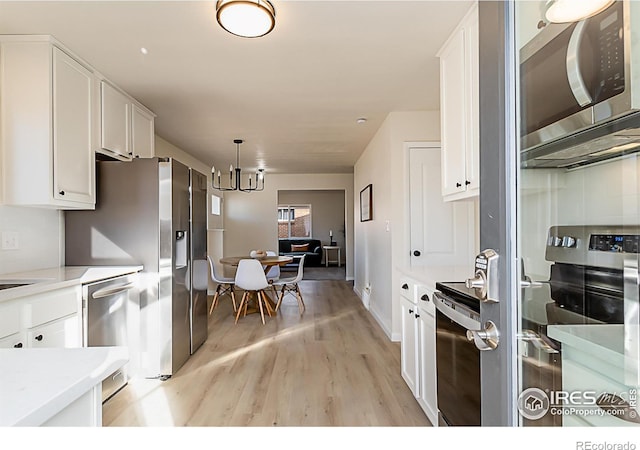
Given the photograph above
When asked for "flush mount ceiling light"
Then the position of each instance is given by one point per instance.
(234, 181)
(563, 11)
(246, 18)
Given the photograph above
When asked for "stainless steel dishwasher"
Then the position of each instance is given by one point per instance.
(105, 306)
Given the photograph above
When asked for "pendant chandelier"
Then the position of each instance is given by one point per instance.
(235, 182)
(246, 18)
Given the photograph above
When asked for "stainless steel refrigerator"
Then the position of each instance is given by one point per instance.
(151, 212)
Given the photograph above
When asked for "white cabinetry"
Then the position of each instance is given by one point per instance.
(530, 20)
(127, 128)
(49, 319)
(427, 394)
(48, 125)
(459, 110)
(418, 358)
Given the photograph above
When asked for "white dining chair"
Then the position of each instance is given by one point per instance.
(290, 285)
(224, 285)
(250, 277)
(274, 272)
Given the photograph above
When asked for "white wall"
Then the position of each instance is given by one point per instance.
(602, 194)
(377, 252)
(41, 238)
(251, 219)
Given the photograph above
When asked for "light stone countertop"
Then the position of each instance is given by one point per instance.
(58, 277)
(38, 383)
(430, 275)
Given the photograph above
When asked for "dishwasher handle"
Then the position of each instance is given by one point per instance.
(106, 292)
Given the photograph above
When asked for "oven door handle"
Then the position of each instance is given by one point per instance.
(576, 81)
(456, 312)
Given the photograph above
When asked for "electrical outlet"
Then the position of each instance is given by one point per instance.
(10, 240)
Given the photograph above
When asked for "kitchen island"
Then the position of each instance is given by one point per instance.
(55, 386)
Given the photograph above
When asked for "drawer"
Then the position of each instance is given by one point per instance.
(425, 299)
(16, 340)
(52, 305)
(407, 289)
(9, 319)
(62, 333)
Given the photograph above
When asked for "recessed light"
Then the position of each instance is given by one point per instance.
(144, 51)
(361, 120)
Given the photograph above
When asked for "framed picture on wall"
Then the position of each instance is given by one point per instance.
(366, 203)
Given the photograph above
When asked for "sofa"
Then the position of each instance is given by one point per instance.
(313, 250)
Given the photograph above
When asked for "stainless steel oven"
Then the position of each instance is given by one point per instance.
(458, 360)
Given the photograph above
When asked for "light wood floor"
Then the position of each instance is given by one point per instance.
(333, 366)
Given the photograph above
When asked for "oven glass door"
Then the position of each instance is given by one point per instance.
(458, 368)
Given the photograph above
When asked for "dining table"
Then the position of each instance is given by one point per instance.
(267, 263)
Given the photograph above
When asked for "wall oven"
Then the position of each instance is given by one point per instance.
(579, 84)
(458, 360)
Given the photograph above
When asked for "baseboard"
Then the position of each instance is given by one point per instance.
(386, 330)
(350, 278)
(396, 337)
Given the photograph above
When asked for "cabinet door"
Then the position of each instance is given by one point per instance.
(115, 123)
(447, 240)
(428, 393)
(472, 109)
(409, 346)
(73, 156)
(61, 333)
(142, 139)
(452, 113)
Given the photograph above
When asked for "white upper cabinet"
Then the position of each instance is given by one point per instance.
(127, 128)
(142, 132)
(459, 110)
(530, 20)
(48, 125)
(115, 124)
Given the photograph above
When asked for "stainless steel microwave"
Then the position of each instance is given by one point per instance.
(580, 89)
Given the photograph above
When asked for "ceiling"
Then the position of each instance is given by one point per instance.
(293, 95)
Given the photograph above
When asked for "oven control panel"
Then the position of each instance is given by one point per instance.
(617, 243)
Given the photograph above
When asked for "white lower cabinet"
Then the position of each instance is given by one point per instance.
(427, 395)
(61, 333)
(418, 346)
(409, 346)
(50, 319)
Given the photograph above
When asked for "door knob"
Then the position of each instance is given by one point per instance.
(477, 282)
(485, 339)
(416, 253)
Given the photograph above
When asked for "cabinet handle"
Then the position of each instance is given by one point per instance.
(61, 192)
(425, 298)
(416, 253)
(18, 345)
(411, 311)
(39, 337)
(417, 315)
(467, 183)
(458, 185)
(405, 286)
(130, 153)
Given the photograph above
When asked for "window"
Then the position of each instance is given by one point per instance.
(215, 205)
(294, 221)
